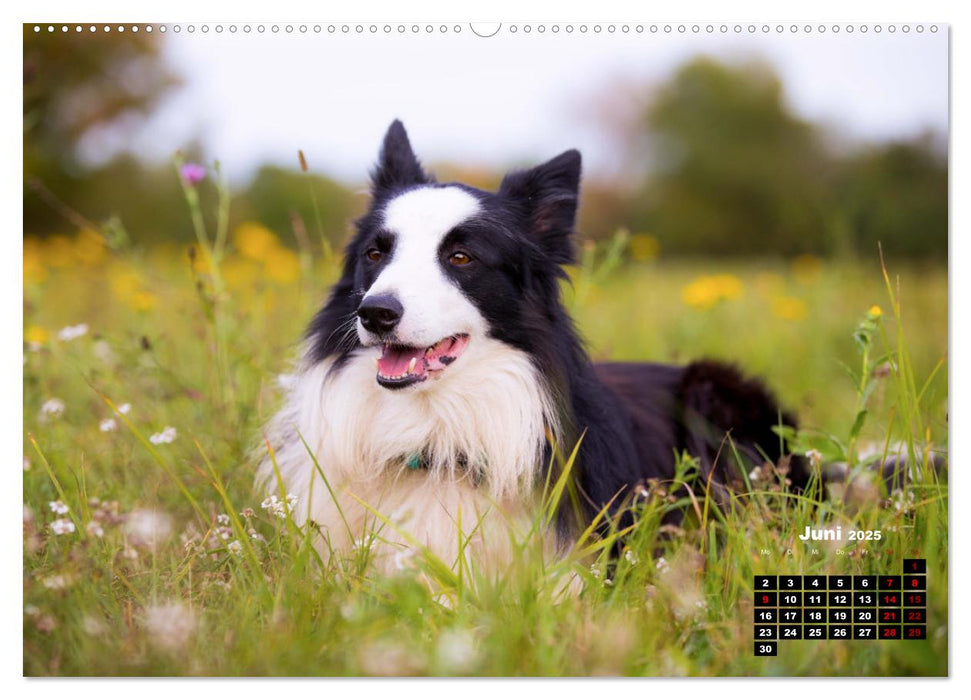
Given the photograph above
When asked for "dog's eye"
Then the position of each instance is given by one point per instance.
(374, 255)
(459, 258)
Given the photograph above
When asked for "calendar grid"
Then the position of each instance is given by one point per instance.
(862, 607)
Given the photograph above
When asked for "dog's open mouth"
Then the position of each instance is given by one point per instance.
(402, 365)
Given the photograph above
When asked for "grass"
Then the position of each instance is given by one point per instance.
(189, 575)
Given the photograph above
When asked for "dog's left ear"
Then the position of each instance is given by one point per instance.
(397, 165)
(547, 194)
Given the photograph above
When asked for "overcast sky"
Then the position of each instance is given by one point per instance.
(508, 99)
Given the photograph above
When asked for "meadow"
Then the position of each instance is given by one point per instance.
(149, 372)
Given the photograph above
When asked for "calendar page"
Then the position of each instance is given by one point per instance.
(410, 347)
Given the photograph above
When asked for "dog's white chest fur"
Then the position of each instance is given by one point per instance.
(479, 431)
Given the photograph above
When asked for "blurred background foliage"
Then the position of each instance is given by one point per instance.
(717, 164)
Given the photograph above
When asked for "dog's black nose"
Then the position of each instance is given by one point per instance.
(380, 314)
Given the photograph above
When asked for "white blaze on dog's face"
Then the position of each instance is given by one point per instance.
(433, 306)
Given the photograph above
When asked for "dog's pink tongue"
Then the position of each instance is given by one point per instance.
(396, 360)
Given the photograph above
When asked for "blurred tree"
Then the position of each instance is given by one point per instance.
(275, 196)
(896, 195)
(733, 171)
(75, 85)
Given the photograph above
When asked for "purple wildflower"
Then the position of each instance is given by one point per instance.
(193, 173)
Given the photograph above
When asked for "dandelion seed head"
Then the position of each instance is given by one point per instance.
(457, 652)
(387, 658)
(148, 528)
(169, 626)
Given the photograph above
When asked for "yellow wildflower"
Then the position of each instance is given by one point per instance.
(254, 240)
(125, 281)
(89, 247)
(36, 334)
(705, 292)
(59, 251)
(142, 301)
(35, 271)
(282, 265)
(875, 312)
(789, 308)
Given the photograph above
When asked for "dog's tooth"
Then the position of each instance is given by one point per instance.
(411, 365)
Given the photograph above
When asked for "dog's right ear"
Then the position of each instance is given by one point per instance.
(547, 195)
(397, 165)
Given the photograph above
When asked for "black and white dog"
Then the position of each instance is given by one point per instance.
(444, 365)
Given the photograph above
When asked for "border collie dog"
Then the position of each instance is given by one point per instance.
(443, 367)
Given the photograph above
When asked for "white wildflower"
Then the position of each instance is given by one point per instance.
(167, 435)
(58, 507)
(124, 409)
(815, 457)
(62, 526)
(95, 529)
(69, 333)
(276, 507)
(55, 583)
(107, 425)
(235, 547)
(31, 610)
(631, 557)
(402, 558)
(51, 408)
(169, 626)
(147, 527)
(222, 519)
(92, 626)
(662, 565)
(755, 474)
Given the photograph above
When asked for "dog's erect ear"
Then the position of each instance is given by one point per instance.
(548, 194)
(397, 165)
